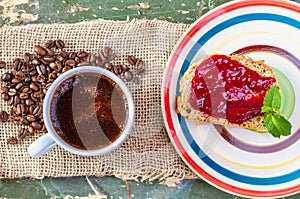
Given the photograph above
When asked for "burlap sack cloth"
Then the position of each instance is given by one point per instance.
(148, 152)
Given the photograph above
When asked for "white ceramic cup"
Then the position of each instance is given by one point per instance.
(48, 141)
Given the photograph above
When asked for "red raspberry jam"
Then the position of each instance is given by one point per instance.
(224, 88)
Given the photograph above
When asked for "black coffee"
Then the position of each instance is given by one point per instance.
(88, 111)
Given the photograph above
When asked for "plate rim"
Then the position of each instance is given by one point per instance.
(227, 7)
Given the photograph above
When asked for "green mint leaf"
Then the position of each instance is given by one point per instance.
(274, 122)
(276, 103)
(268, 122)
(277, 125)
(266, 109)
(272, 101)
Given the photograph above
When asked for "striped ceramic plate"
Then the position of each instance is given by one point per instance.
(237, 160)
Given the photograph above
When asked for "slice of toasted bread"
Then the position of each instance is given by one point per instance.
(183, 101)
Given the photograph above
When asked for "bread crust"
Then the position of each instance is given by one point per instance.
(184, 108)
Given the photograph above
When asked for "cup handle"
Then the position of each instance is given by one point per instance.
(41, 146)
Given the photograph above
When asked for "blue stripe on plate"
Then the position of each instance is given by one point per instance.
(197, 150)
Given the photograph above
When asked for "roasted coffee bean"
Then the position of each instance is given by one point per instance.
(26, 90)
(50, 52)
(102, 57)
(31, 130)
(24, 96)
(48, 58)
(22, 133)
(59, 44)
(33, 97)
(26, 57)
(35, 61)
(72, 55)
(31, 118)
(24, 121)
(25, 67)
(70, 62)
(98, 62)
(14, 82)
(38, 95)
(83, 63)
(41, 69)
(37, 125)
(4, 89)
(81, 54)
(77, 60)
(34, 87)
(6, 77)
(14, 100)
(115, 70)
(27, 79)
(52, 75)
(132, 60)
(12, 140)
(20, 75)
(5, 96)
(20, 86)
(18, 64)
(34, 79)
(3, 116)
(31, 109)
(108, 66)
(18, 109)
(91, 58)
(39, 50)
(63, 53)
(108, 53)
(66, 68)
(17, 100)
(29, 102)
(2, 64)
(46, 63)
(120, 69)
(128, 75)
(32, 72)
(125, 67)
(53, 65)
(50, 44)
(139, 64)
(12, 92)
(22, 109)
(41, 78)
(38, 111)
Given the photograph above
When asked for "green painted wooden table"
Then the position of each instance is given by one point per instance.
(22, 12)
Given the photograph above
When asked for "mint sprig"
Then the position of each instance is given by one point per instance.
(276, 124)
